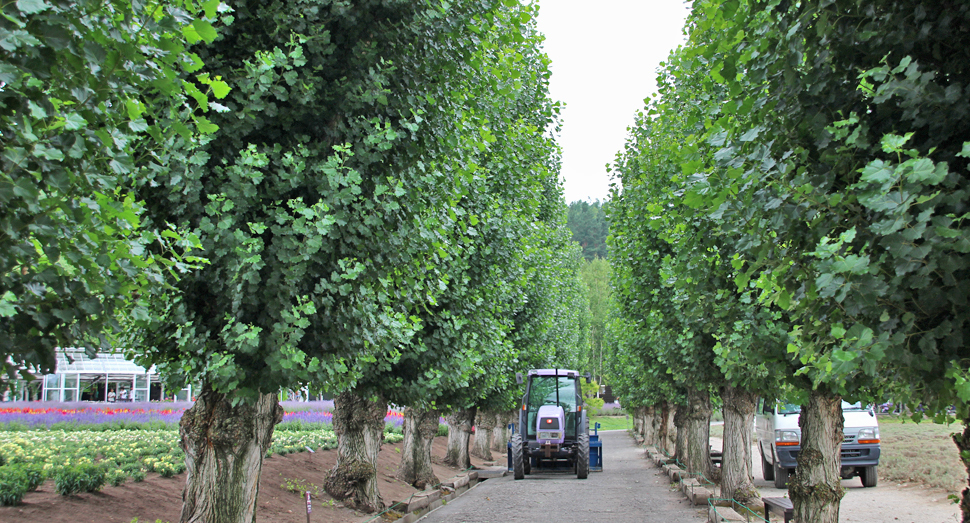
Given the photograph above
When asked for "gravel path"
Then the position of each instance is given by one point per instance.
(629, 490)
(885, 503)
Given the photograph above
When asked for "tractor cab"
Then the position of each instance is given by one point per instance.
(551, 403)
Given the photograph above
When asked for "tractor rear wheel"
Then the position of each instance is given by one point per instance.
(582, 456)
(518, 472)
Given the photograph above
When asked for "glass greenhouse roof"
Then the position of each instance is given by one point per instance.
(104, 363)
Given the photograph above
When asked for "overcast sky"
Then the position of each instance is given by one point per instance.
(605, 56)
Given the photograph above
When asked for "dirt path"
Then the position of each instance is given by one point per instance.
(629, 490)
(887, 502)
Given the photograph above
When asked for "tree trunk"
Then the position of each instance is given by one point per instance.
(420, 428)
(638, 421)
(666, 434)
(648, 428)
(500, 438)
(963, 445)
(359, 425)
(816, 488)
(680, 436)
(484, 424)
(698, 438)
(737, 478)
(224, 448)
(460, 425)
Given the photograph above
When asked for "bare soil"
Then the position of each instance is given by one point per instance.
(160, 499)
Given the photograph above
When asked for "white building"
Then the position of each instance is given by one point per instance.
(109, 376)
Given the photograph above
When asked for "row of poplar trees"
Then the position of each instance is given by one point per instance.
(358, 195)
(793, 215)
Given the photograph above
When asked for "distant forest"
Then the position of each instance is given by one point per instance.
(589, 226)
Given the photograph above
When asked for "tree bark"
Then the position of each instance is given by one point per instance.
(420, 429)
(963, 446)
(638, 421)
(649, 425)
(667, 433)
(698, 426)
(500, 438)
(460, 425)
(224, 448)
(484, 424)
(816, 488)
(359, 425)
(737, 478)
(680, 436)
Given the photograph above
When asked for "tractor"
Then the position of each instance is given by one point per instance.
(552, 433)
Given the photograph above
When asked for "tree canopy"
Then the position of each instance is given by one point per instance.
(589, 225)
(92, 100)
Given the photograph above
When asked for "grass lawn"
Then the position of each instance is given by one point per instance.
(920, 453)
(611, 422)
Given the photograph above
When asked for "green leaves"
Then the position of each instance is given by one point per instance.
(29, 7)
(78, 130)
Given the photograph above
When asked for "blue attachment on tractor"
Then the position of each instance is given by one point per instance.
(595, 450)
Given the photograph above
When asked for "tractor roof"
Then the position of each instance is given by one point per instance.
(554, 372)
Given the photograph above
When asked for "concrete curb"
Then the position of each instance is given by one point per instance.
(423, 503)
(695, 493)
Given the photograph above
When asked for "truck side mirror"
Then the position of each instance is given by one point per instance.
(518, 378)
(587, 376)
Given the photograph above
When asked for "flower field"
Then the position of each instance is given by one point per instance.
(127, 442)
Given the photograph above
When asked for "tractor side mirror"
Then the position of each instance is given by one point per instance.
(587, 376)
(518, 378)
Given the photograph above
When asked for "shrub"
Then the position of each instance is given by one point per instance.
(442, 429)
(13, 485)
(138, 475)
(117, 477)
(593, 406)
(34, 472)
(86, 477)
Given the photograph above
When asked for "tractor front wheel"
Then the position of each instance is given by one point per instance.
(582, 456)
(518, 471)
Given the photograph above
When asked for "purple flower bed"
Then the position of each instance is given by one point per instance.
(47, 414)
(611, 409)
(39, 414)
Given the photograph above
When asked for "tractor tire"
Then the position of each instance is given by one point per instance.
(767, 468)
(527, 460)
(518, 471)
(582, 456)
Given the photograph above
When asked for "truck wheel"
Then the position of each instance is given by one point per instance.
(518, 471)
(766, 468)
(781, 476)
(582, 456)
(869, 476)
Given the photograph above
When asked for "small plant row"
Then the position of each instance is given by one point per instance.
(84, 461)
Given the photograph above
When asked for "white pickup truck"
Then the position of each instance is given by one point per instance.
(779, 439)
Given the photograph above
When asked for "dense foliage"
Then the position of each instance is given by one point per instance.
(92, 99)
